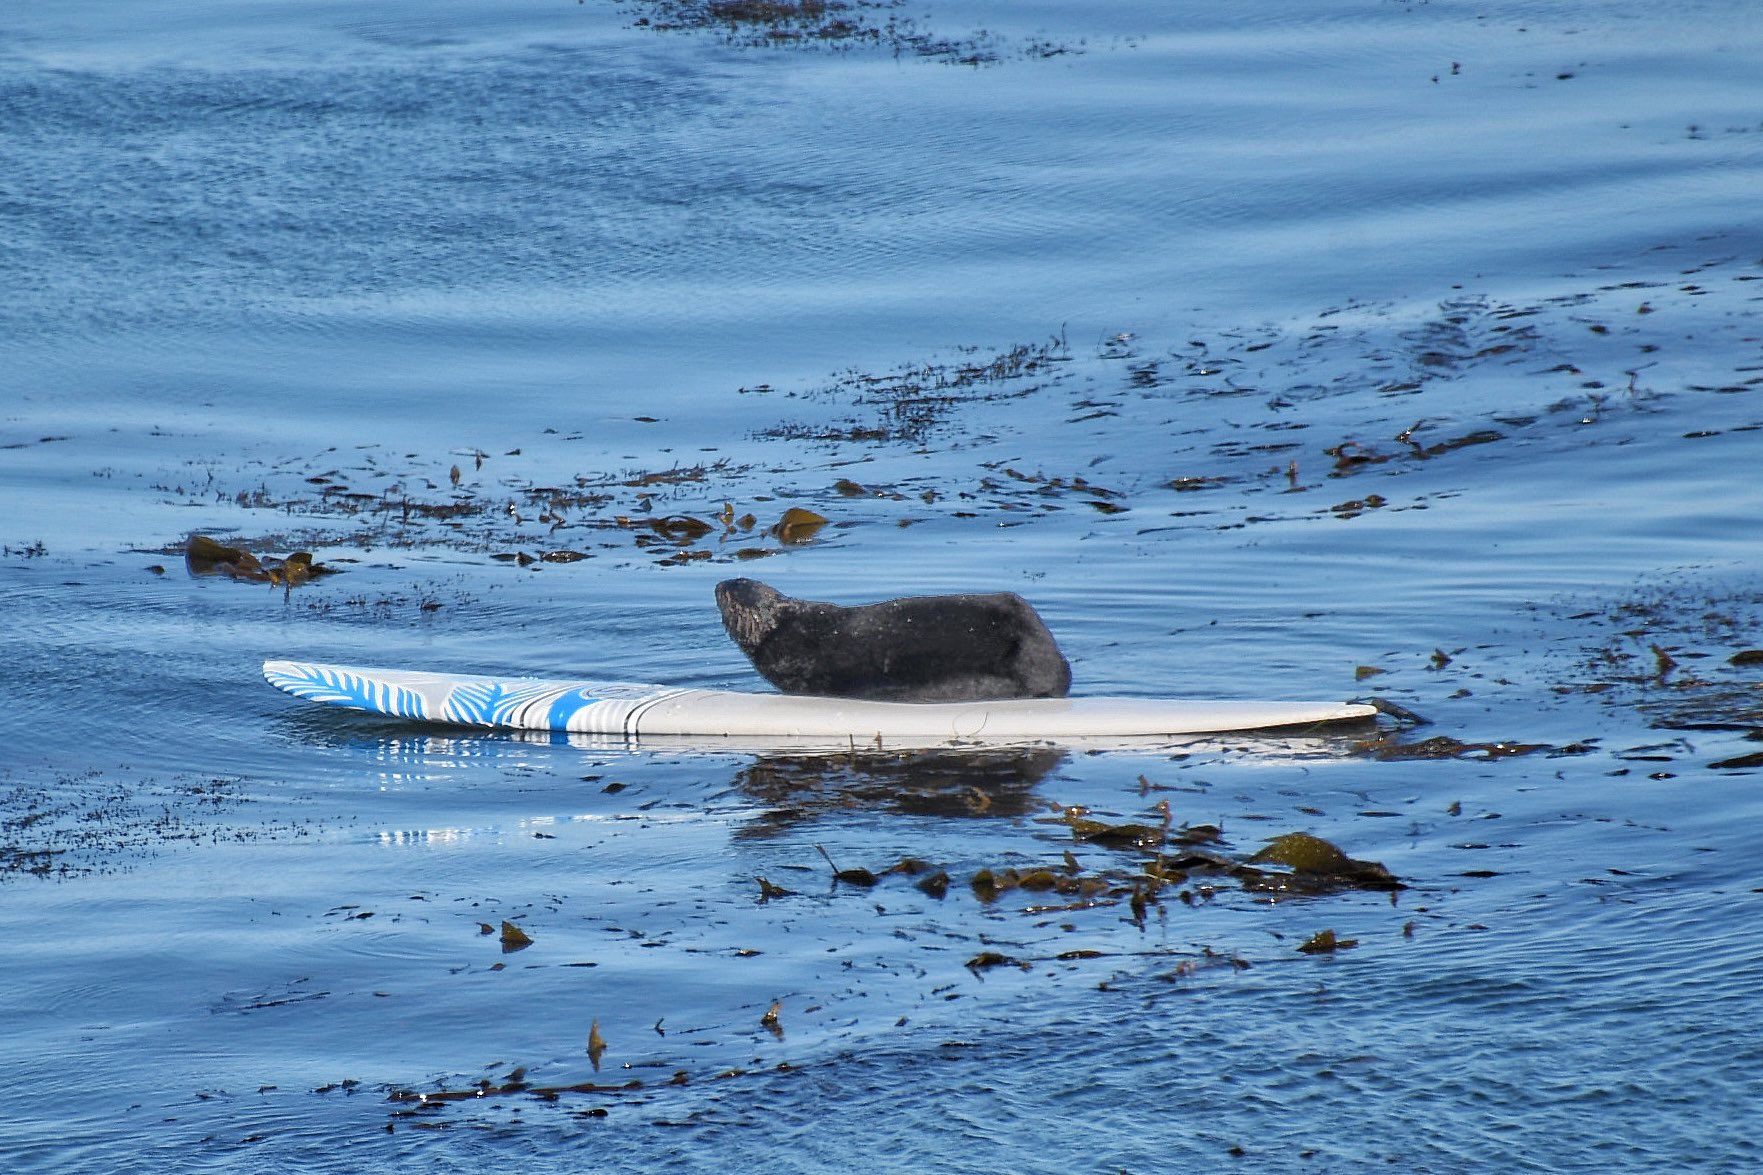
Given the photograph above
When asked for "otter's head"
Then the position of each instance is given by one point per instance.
(749, 610)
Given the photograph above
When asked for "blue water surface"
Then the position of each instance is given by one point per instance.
(1307, 350)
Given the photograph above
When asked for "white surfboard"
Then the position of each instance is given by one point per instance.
(631, 710)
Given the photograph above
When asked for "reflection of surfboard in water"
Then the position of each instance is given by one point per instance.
(625, 709)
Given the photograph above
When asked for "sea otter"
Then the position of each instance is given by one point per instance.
(916, 649)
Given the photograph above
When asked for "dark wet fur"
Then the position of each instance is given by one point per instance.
(916, 649)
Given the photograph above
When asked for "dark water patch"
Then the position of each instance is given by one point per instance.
(107, 822)
(1678, 654)
(918, 402)
(969, 783)
(836, 24)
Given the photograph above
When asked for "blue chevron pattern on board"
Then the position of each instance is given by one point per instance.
(339, 687)
(498, 703)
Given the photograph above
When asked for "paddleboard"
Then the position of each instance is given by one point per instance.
(632, 710)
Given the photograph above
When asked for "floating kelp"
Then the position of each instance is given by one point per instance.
(514, 938)
(798, 525)
(1351, 455)
(768, 891)
(1354, 507)
(1134, 834)
(1324, 942)
(936, 885)
(204, 556)
(680, 528)
(989, 884)
(1311, 866)
(858, 876)
(1050, 488)
(489, 1089)
(1314, 858)
(1118, 836)
(1445, 747)
(596, 1044)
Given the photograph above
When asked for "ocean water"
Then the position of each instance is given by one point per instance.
(1342, 349)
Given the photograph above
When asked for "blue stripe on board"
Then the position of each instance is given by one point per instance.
(566, 706)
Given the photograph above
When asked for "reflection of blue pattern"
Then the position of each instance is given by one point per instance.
(319, 683)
